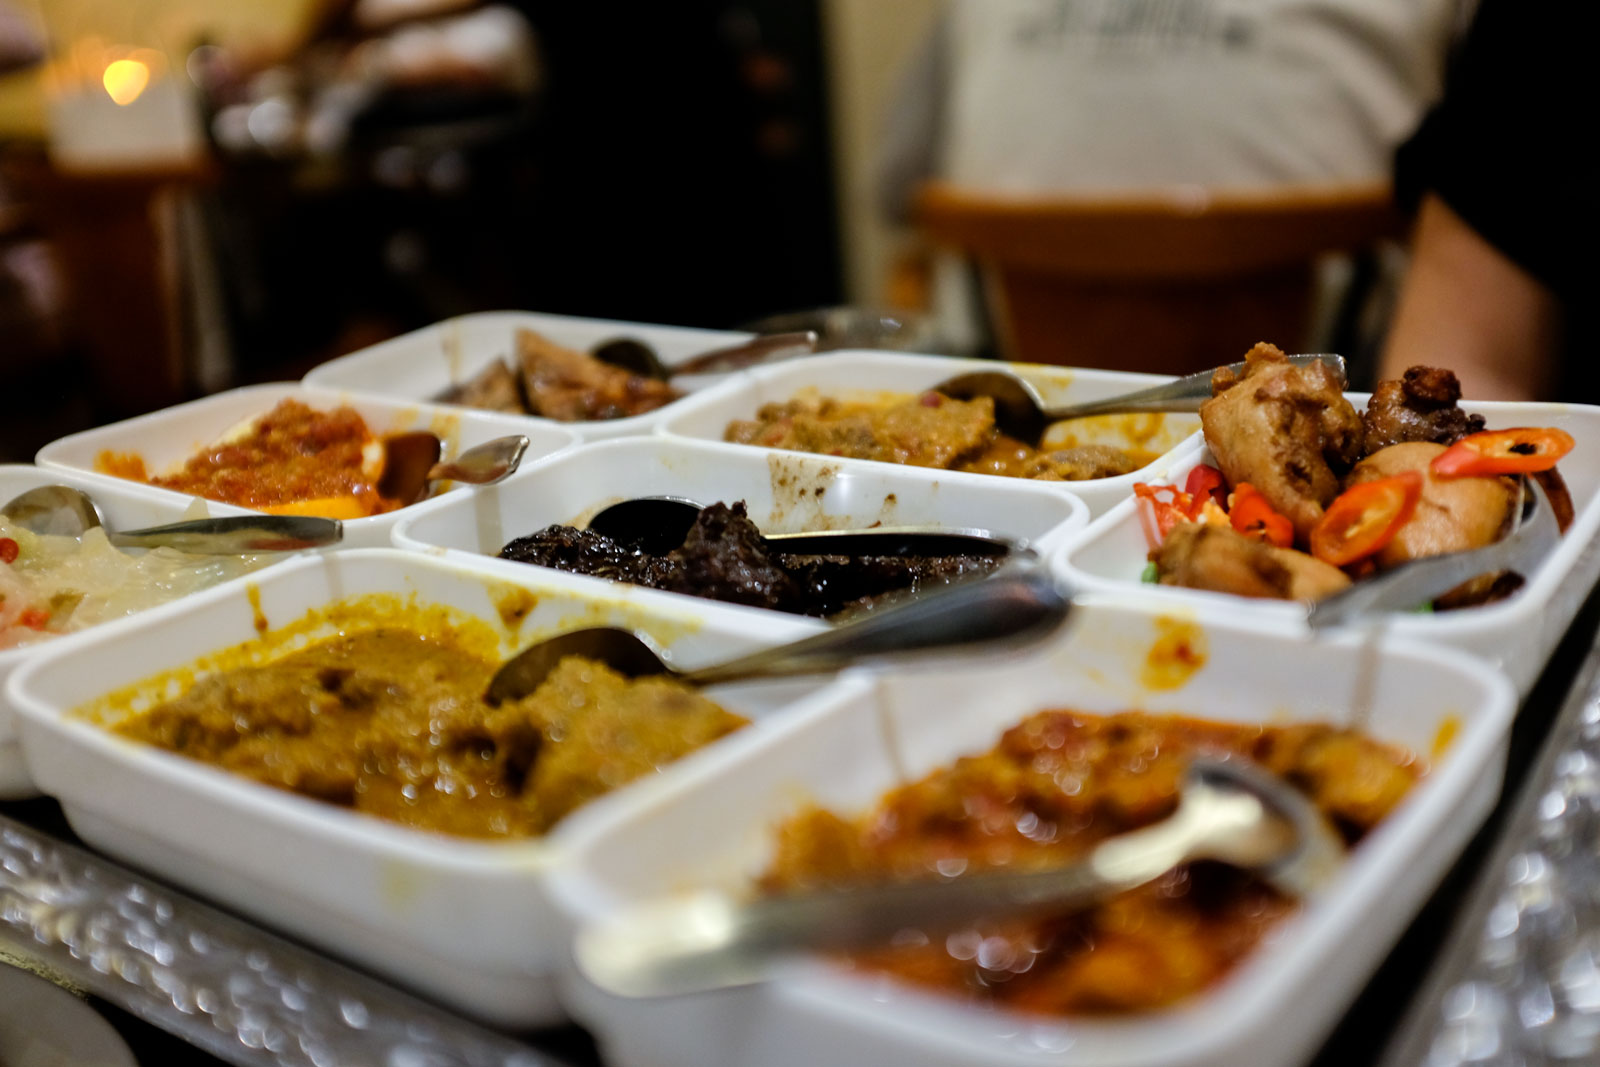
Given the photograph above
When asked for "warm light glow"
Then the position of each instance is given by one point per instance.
(125, 80)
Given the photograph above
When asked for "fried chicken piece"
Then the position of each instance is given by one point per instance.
(493, 389)
(1287, 430)
(1453, 514)
(1420, 406)
(569, 386)
(1203, 556)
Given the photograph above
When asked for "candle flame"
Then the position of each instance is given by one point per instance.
(125, 79)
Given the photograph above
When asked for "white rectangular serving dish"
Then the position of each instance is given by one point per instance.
(706, 415)
(467, 922)
(168, 437)
(784, 491)
(1517, 634)
(126, 506)
(713, 828)
(424, 363)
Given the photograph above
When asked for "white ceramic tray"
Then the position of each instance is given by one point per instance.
(126, 505)
(166, 438)
(785, 491)
(713, 827)
(424, 363)
(466, 922)
(705, 416)
(1517, 634)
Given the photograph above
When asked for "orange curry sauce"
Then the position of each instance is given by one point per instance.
(292, 455)
(1055, 785)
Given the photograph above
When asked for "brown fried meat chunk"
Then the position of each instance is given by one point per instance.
(1202, 556)
(1420, 406)
(564, 384)
(1287, 430)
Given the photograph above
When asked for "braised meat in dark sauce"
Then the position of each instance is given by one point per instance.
(724, 557)
(1419, 406)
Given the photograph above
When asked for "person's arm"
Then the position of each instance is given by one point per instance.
(1465, 306)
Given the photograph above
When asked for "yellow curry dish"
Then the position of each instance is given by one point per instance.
(925, 430)
(1053, 787)
(393, 723)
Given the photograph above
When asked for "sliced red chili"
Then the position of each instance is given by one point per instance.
(1161, 507)
(1205, 481)
(1253, 516)
(1522, 450)
(9, 550)
(1365, 517)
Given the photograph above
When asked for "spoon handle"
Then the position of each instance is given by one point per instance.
(234, 535)
(1421, 580)
(1180, 394)
(1013, 608)
(711, 941)
(763, 349)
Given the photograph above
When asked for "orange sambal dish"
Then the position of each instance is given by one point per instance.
(1056, 785)
(927, 430)
(293, 460)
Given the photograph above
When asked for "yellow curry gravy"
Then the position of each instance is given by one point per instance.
(394, 724)
(1056, 785)
(926, 430)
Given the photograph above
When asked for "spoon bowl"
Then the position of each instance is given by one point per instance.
(1228, 810)
(659, 524)
(1007, 609)
(61, 510)
(411, 462)
(1020, 412)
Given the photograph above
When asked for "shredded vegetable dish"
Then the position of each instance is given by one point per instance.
(1055, 785)
(51, 585)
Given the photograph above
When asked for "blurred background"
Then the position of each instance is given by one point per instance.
(195, 195)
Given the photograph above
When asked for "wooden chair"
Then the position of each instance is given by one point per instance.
(1169, 282)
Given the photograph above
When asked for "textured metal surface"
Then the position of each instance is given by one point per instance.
(243, 995)
(1519, 983)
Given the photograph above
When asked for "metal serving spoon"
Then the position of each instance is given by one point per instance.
(1020, 412)
(639, 358)
(1534, 536)
(1228, 810)
(63, 510)
(411, 461)
(1007, 609)
(659, 524)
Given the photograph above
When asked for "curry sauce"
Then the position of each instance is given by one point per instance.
(926, 430)
(1056, 785)
(394, 724)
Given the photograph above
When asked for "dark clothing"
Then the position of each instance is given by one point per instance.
(1505, 147)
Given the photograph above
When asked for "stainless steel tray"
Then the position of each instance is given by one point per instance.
(244, 995)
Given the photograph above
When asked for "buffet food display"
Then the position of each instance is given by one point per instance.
(336, 708)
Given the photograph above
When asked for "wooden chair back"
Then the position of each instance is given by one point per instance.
(1167, 282)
